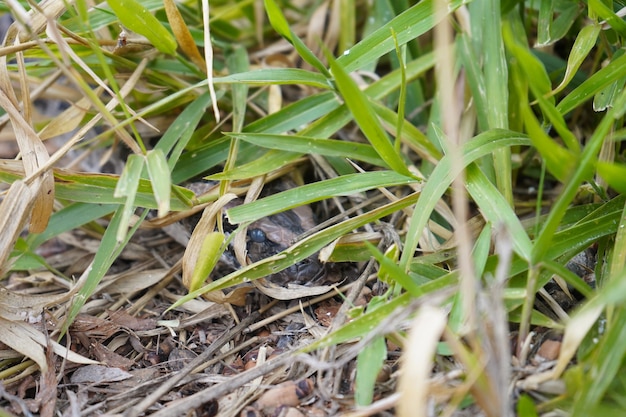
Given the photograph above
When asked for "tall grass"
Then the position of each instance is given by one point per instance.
(479, 125)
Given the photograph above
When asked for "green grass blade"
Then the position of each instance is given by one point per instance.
(279, 23)
(309, 193)
(70, 217)
(276, 76)
(408, 25)
(309, 145)
(442, 177)
(160, 180)
(582, 172)
(108, 251)
(598, 8)
(138, 18)
(583, 44)
(366, 118)
(614, 71)
(100, 188)
(127, 188)
(270, 161)
(177, 136)
(496, 210)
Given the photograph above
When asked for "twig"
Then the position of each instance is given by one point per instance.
(196, 362)
(182, 406)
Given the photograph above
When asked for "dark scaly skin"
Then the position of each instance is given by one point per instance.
(271, 235)
(275, 233)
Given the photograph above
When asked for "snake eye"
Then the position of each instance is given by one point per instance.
(257, 235)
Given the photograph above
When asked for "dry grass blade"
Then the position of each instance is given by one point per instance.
(183, 35)
(413, 384)
(14, 211)
(34, 155)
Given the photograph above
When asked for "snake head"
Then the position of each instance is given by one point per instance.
(275, 233)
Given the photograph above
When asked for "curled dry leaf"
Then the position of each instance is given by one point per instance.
(66, 121)
(23, 338)
(131, 282)
(291, 292)
(287, 394)
(16, 312)
(98, 374)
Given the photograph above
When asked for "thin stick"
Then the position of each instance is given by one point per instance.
(196, 362)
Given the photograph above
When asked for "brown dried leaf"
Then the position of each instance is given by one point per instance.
(122, 318)
(47, 395)
(25, 307)
(98, 374)
(183, 35)
(94, 327)
(127, 283)
(110, 358)
(36, 21)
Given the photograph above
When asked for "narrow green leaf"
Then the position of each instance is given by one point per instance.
(443, 175)
(363, 325)
(127, 187)
(544, 23)
(614, 71)
(137, 18)
(614, 174)
(238, 62)
(410, 134)
(526, 407)
(496, 210)
(129, 180)
(393, 272)
(68, 218)
(606, 362)
(279, 23)
(306, 194)
(177, 136)
(496, 75)
(276, 76)
(604, 99)
(475, 79)
(566, 16)
(583, 170)
(161, 180)
(108, 250)
(408, 25)
(369, 363)
(99, 189)
(308, 145)
(559, 161)
(600, 9)
(585, 41)
(541, 84)
(366, 118)
(212, 248)
(270, 161)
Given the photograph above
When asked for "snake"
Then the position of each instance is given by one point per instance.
(271, 235)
